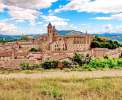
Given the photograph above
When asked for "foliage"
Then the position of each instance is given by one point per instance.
(80, 59)
(33, 50)
(104, 43)
(67, 64)
(105, 63)
(27, 66)
(79, 62)
(49, 64)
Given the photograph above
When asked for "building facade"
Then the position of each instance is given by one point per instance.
(54, 42)
(51, 46)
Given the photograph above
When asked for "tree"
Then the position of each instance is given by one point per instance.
(81, 59)
(33, 50)
(95, 44)
(49, 64)
(104, 43)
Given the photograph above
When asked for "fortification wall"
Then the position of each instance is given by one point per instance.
(102, 52)
(15, 63)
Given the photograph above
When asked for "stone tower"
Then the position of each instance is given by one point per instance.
(50, 32)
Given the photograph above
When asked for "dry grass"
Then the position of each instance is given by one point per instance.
(61, 89)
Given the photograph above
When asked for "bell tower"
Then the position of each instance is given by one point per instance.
(50, 32)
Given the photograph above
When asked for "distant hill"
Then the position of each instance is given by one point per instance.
(68, 32)
(9, 37)
(14, 37)
(112, 36)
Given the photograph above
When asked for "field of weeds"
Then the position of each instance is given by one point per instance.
(61, 89)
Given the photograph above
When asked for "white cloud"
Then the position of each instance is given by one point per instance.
(112, 17)
(25, 9)
(103, 6)
(56, 20)
(106, 28)
(2, 6)
(7, 28)
(23, 14)
(31, 4)
(112, 29)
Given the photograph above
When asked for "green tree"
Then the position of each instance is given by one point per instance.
(49, 64)
(33, 50)
(80, 59)
(95, 44)
(103, 43)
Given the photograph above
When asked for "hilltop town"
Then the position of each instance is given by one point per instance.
(51, 46)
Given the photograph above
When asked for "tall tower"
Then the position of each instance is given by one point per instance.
(54, 31)
(50, 32)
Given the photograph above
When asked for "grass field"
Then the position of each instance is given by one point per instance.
(61, 89)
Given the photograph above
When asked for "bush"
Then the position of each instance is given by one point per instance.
(49, 64)
(27, 66)
(33, 50)
(80, 59)
(67, 64)
(105, 63)
(119, 62)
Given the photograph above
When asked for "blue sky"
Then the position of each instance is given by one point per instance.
(32, 16)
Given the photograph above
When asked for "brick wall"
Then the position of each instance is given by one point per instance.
(15, 63)
(102, 52)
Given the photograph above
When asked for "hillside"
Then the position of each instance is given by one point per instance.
(69, 32)
(111, 36)
(9, 37)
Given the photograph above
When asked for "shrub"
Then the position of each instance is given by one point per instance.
(33, 50)
(105, 63)
(49, 64)
(24, 66)
(80, 59)
(67, 64)
(119, 62)
(27, 66)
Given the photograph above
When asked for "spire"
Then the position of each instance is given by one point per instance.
(49, 25)
(54, 28)
(86, 32)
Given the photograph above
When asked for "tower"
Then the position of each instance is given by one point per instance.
(50, 32)
(86, 37)
(54, 31)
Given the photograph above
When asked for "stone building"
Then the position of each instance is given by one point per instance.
(51, 46)
(54, 42)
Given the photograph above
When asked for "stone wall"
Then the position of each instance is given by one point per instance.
(102, 52)
(15, 63)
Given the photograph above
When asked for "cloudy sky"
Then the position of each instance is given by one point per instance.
(32, 16)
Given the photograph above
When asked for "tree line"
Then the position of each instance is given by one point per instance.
(99, 42)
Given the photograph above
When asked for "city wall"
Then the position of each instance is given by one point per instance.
(15, 63)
